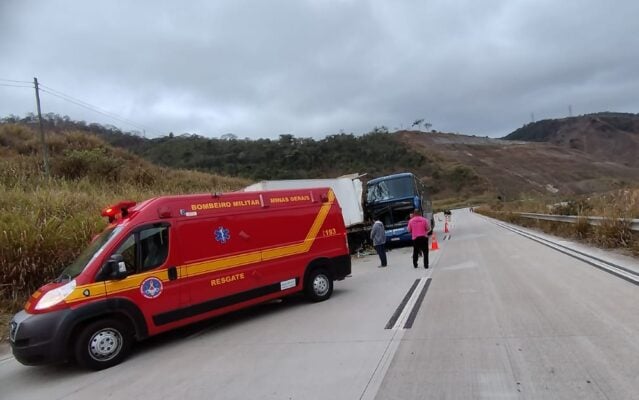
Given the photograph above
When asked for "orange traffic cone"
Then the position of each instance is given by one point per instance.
(446, 227)
(433, 244)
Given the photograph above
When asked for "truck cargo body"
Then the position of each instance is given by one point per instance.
(348, 191)
(391, 199)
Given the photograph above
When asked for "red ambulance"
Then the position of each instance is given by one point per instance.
(170, 261)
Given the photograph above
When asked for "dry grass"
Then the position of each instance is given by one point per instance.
(44, 223)
(4, 324)
(611, 233)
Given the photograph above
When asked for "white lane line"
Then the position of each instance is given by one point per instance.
(595, 262)
(375, 382)
(399, 324)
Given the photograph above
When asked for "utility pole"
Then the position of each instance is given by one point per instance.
(570, 110)
(44, 143)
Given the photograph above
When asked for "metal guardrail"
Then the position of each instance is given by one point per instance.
(634, 223)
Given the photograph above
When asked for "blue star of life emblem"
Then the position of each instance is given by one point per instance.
(222, 235)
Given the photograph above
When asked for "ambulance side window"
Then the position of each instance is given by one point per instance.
(127, 251)
(145, 249)
(154, 244)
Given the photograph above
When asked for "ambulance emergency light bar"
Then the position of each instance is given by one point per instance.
(121, 208)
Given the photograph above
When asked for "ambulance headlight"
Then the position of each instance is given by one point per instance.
(53, 297)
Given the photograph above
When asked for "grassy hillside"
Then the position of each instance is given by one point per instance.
(607, 137)
(44, 223)
(458, 169)
(286, 158)
(376, 153)
(513, 170)
(572, 156)
(546, 130)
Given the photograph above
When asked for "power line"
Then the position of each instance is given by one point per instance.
(13, 80)
(10, 85)
(81, 103)
(94, 107)
(60, 93)
(88, 106)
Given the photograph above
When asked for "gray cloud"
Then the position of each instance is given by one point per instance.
(315, 67)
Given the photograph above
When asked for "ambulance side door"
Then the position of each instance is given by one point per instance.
(221, 255)
(153, 281)
(243, 257)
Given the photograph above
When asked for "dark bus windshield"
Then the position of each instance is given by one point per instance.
(396, 188)
(92, 251)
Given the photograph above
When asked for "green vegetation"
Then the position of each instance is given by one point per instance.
(44, 223)
(376, 153)
(288, 157)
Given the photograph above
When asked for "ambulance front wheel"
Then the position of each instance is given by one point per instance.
(103, 344)
(319, 285)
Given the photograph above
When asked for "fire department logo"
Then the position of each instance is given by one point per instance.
(222, 235)
(151, 287)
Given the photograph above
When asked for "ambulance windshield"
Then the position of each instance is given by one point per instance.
(89, 254)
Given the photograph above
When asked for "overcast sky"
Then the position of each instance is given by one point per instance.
(312, 68)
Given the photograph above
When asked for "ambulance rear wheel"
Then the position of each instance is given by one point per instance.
(319, 285)
(103, 344)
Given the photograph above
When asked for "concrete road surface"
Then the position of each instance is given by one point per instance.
(497, 316)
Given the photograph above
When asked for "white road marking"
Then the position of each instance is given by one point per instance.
(371, 389)
(399, 324)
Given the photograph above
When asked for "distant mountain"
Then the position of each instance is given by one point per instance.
(608, 137)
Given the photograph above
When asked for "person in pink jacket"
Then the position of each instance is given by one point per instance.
(419, 228)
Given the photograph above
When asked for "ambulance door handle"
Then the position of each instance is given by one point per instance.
(172, 273)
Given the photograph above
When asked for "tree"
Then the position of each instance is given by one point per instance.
(228, 136)
(286, 139)
(379, 129)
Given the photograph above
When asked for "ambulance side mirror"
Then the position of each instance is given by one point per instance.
(115, 268)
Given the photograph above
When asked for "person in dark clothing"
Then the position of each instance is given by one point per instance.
(378, 236)
(418, 227)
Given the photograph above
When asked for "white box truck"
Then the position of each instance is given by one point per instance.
(349, 192)
(390, 199)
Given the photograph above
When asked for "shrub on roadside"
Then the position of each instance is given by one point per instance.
(613, 233)
(582, 228)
